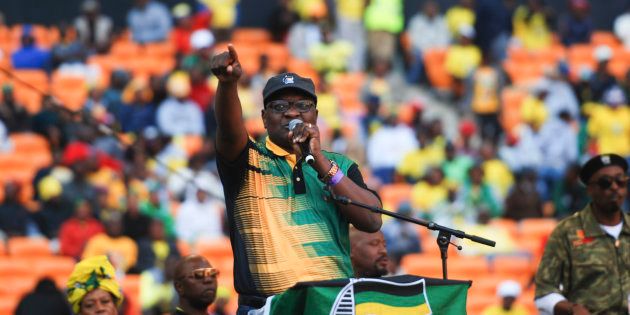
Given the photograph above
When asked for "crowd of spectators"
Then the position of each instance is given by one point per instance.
(135, 194)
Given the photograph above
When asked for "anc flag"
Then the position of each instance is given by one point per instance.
(398, 295)
(383, 297)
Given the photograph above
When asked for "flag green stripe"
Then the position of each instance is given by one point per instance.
(387, 299)
(398, 290)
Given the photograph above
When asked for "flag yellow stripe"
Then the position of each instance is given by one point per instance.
(383, 309)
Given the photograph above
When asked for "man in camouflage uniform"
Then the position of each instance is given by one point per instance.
(585, 268)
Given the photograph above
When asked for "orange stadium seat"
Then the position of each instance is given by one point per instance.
(131, 288)
(160, 50)
(29, 98)
(513, 267)
(393, 194)
(29, 142)
(18, 285)
(524, 72)
(125, 49)
(467, 268)
(72, 99)
(423, 264)
(11, 266)
(214, 249)
(278, 55)
(604, 38)
(303, 68)
(8, 303)
(183, 247)
(434, 60)
(250, 36)
(35, 78)
(511, 100)
(536, 228)
(54, 266)
(29, 247)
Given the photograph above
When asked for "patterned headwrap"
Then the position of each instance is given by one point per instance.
(90, 274)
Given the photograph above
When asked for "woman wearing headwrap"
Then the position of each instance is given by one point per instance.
(92, 287)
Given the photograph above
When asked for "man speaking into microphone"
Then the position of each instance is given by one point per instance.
(282, 229)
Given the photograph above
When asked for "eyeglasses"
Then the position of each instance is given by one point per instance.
(281, 106)
(606, 182)
(202, 273)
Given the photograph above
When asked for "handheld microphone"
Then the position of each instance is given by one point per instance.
(306, 150)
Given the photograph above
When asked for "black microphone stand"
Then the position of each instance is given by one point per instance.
(444, 233)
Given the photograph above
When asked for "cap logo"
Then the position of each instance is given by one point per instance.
(606, 159)
(288, 80)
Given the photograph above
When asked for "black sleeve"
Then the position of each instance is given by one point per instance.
(232, 173)
(355, 175)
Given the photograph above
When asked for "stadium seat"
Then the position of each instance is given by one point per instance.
(604, 38)
(10, 266)
(8, 303)
(131, 288)
(393, 194)
(18, 285)
(512, 267)
(536, 228)
(160, 50)
(467, 268)
(250, 36)
(523, 73)
(183, 247)
(54, 266)
(434, 61)
(214, 249)
(125, 49)
(303, 68)
(29, 98)
(278, 55)
(423, 264)
(29, 247)
(511, 100)
(29, 142)
(35, 78)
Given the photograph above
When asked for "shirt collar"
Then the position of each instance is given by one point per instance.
(592, 227)
(279, 151)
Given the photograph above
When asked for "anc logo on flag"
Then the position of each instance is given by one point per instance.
(376, 296)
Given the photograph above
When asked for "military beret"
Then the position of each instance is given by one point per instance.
(598, 162)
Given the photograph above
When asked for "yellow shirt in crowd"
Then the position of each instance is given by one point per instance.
(425, 196)
(610, 129)
(532, 32)
(498, 175)
(223, 12)
(457, 16)
(461, 60)
(416, 163)
(351, 9)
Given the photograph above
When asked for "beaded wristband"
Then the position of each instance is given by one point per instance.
(331, 172)
(336, 178)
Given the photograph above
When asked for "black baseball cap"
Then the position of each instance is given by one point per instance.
(288, 80)
(600, 161)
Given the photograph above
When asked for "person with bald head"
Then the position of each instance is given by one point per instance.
(196, 285)
(368, 254)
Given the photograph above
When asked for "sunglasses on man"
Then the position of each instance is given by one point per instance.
(606, 182)
(281, 106)
(202, 273)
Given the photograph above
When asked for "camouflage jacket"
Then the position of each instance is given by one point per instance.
(586, 265)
